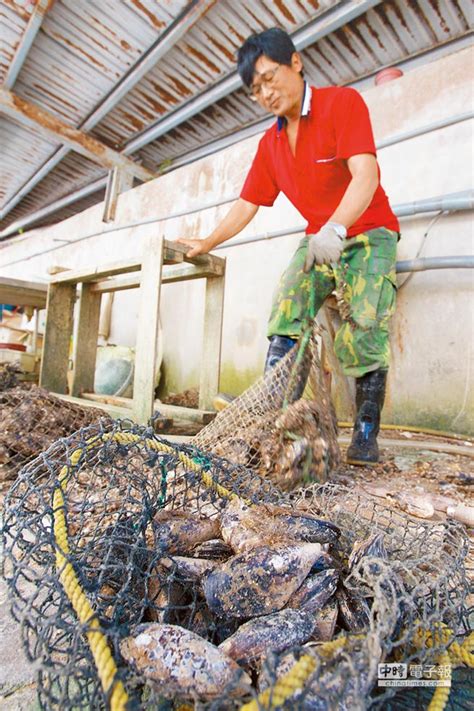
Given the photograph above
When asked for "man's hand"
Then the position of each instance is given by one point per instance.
(196, 246)
(325, 247)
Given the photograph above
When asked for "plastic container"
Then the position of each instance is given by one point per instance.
(388, 74)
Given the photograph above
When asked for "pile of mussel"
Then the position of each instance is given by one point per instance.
(229, 591)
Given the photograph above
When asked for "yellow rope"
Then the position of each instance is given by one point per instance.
(463, 653)
(105, 664)
(441, 695)
(455, 655)
(295, 678)
(285, 686)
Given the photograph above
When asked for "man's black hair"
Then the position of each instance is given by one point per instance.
(274, 43)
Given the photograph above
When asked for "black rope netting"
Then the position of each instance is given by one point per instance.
(208, 585)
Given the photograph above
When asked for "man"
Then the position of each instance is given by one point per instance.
(321, 154)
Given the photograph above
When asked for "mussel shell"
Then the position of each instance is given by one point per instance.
(180, 663)
(325, 561)
(314, 591)
(260, 581)
(167, 597)
(371, 547)
(276, 632)
(354, 611)
(325, 690)
(179, 532)
(246, 527)
(325, 621)
(310, 529)
(214, 549)
(189, 568)
(304, 698)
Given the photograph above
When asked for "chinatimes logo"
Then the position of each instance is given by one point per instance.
(392, 674)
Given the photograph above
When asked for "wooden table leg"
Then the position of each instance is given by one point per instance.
(147, 331)
(57, 337)
(85, 351)
(212, 341)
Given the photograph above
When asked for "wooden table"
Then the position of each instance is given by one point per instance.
(162, 262)
(17, 292)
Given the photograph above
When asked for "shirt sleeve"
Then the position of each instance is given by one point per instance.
(260, 187)
(353, 128)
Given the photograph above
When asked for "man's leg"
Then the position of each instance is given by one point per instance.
(291, 303)
(291, 307)
(367, 294)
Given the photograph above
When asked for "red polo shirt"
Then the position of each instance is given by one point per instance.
(336, 127)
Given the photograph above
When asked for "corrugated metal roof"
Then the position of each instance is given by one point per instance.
(84, 48)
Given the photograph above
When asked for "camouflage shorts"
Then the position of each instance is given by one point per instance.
(365, 286)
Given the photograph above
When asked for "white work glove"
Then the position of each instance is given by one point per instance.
(325, 247)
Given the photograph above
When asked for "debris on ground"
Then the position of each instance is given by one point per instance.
(187, 398)
(31, 419)
(417, 478)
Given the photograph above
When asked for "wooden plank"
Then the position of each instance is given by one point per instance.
(212, 341)
(343, 396)
(85, 350)
(105, 286)
(208, 260)
(189, 271)
(147, 331)
(170, 275)
(23, 293)
(184, 413)
(112, 410)
(174, 411)
(99, 272)
(172, 257)
(57, 337)
(49, 124)
(116, 400)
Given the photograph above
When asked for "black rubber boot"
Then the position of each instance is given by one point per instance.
(370, 395)
(279, 347)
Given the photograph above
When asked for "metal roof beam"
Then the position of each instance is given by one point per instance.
(34, 23)
(147, 61)
(46, 123)
(79, 194)
(321, 26)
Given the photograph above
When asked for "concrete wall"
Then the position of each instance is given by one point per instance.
(431, 382)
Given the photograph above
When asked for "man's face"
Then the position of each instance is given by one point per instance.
(278, 87)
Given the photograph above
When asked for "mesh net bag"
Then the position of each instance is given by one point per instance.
(284, 426)
(148, 575)
(31, 419)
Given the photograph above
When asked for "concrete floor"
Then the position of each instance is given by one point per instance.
(17, 674)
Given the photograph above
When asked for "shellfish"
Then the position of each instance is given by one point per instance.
(179, 662)
(260, 581)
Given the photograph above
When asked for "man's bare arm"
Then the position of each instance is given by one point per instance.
(359, 192)
(236, 219)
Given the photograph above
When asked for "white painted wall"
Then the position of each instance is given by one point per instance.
(431, 381)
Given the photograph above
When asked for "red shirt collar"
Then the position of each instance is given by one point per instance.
(305, 107)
